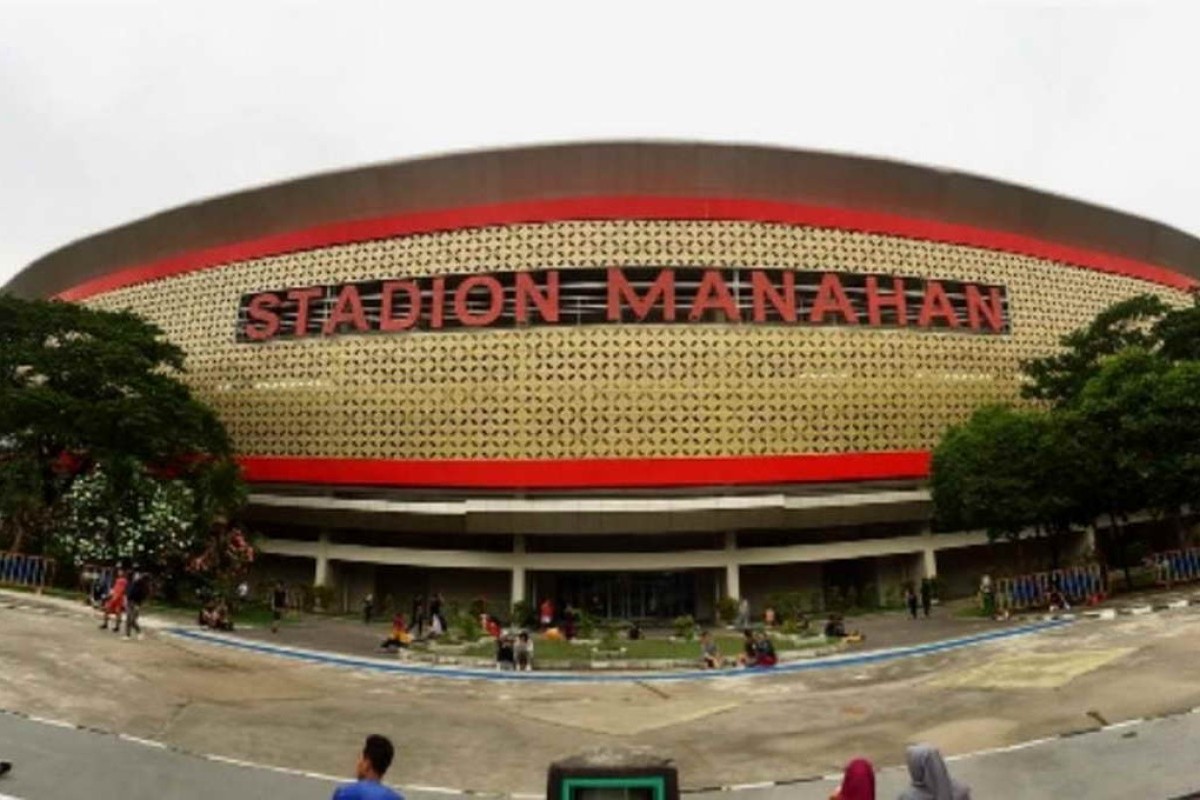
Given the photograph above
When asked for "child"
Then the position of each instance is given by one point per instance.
(524, 652)
(505, 657)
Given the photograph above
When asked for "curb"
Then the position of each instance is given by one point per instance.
(326, 658)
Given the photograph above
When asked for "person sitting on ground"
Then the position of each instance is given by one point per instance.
(491, 625)
(710, 656)
(377, 755)
(748, 654)
(858, 782)
(764, 651)
(523, 650)
(506, 656)
(635, 632)
(930, 780)
(221, 618)
(208, 615)
(835, 628)
(400, 636)
(769, 617)
(1058, 602)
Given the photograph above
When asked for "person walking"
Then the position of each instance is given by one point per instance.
(368, 608)
(435, 611)
(373, 764)
(139, 593)
(114, 605)
(278, 605)
(929, 778)
(743, 615)
(418, 615)
(910, 600)
(926, 596)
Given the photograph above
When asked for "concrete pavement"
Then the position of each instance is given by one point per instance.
(491, 736)
(1150, 760)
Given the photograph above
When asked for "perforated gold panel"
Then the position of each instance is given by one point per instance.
(613, 391)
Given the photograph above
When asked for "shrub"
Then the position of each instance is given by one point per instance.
(727, 609)
(610, 638)
(479, 606)
(317, 598)
(522, 614)
(787, 605)
(585, 624)
(685, 627)
(468, 627)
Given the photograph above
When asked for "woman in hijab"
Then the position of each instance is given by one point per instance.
(858, 783)
(930, 778)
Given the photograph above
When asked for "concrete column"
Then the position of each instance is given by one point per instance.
(733, 575)
(321, 577)
(517, 592)
(929, 563)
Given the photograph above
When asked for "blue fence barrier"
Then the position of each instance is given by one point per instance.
(1076, 584)
(32, 572)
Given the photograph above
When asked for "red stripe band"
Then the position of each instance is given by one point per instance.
(597, 473)
(633, 207)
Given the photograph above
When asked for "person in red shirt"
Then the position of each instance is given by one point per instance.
(546, 613)
(114, 605)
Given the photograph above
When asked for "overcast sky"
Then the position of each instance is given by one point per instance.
(111, 111)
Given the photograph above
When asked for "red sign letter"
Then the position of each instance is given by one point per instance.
(302, 297)
(936, 304)
(387, 305)
(262, 309)
(783, 301)
(347, 308)
(992, 309)
(619, 289)
(547, 304)
(876, 301)
(438, 309)
(713, 284)
(832, 297)
(496, 301)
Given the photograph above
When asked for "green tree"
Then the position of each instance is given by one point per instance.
(1009, 472)
(1059, 378)
(84, 390)
(1139, 419)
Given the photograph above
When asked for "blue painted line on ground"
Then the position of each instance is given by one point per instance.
(466, 673)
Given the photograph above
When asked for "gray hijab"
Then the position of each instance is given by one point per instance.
(930, 778)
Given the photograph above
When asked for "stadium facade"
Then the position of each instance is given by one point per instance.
(633, 376)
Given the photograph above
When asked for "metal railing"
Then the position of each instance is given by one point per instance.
(1076, 584)
(31, 572)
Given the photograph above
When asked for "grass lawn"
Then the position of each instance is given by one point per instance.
(654, 648)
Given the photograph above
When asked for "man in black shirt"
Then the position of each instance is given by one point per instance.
(138, 594)
(278, 604)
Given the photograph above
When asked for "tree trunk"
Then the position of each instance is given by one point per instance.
(1055, 543)
(1118, 541)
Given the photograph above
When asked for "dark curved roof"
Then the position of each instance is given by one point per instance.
(620, 168)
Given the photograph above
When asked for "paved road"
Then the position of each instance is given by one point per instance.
(1152, 760)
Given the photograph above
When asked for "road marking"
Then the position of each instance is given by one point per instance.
(327, 658)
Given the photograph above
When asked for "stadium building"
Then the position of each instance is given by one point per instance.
(635, 377)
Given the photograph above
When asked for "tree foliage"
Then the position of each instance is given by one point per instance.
(101, 442)
(1116, 431)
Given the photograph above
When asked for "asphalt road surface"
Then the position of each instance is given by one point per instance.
(1149, 760)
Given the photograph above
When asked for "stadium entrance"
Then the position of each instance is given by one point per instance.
(626, 595)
